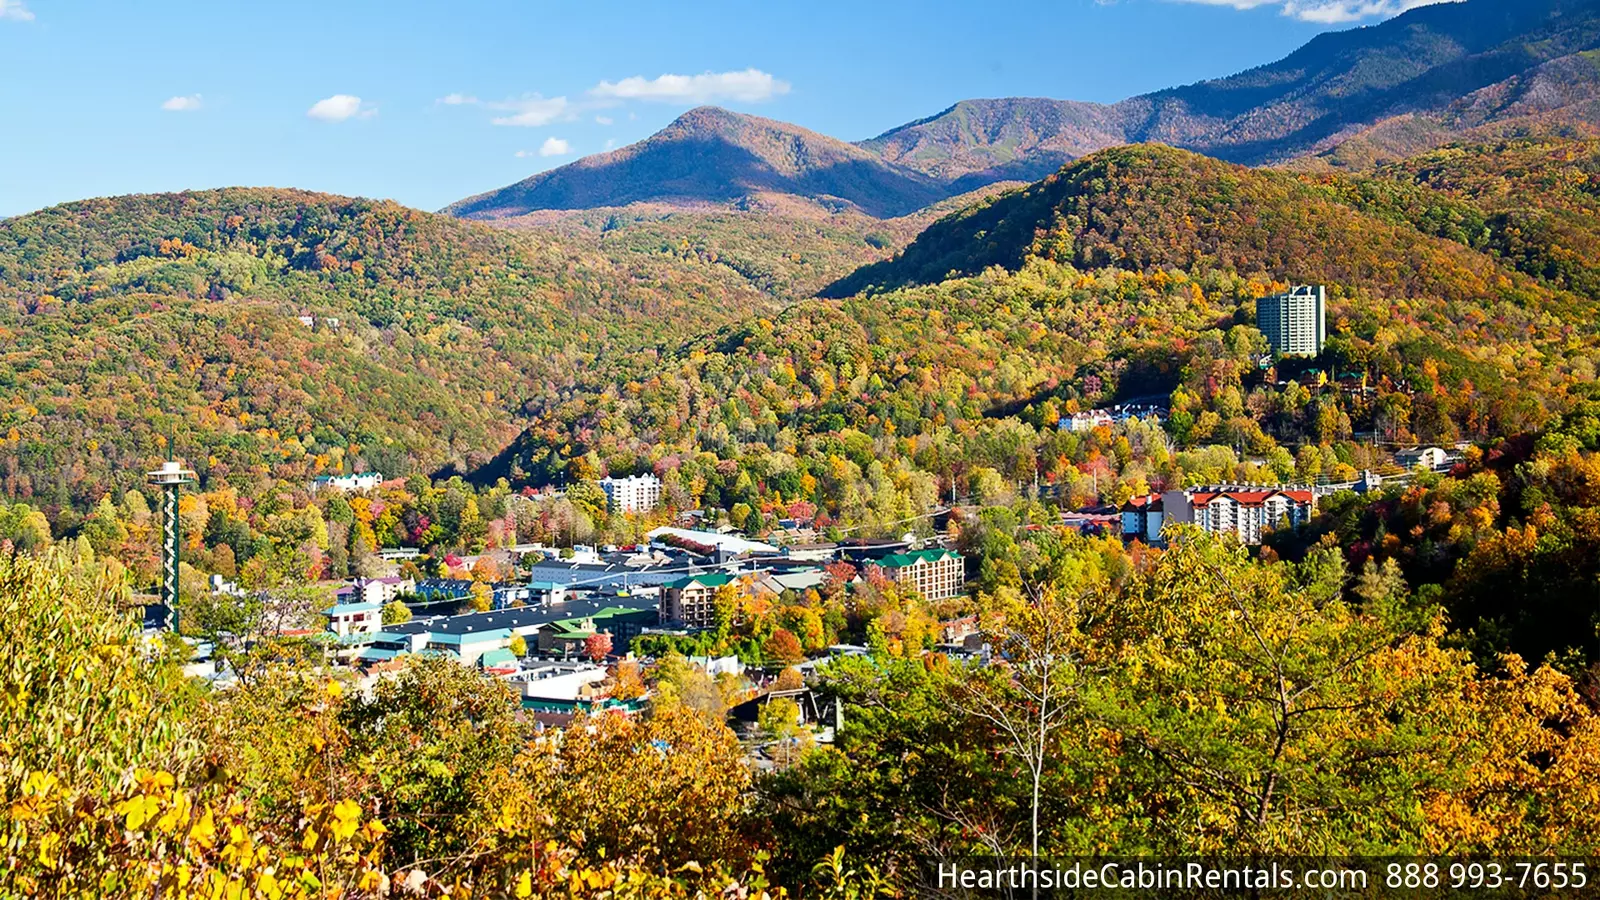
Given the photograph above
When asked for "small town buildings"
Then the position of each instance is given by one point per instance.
(1143, 519)
(1295, 323)
(347, 484)
(688, 601)
(374, 590)
(936, 573)
(467, 638)
(1245, 511)
(634, 494)
(1087, 421)
(511, 594)
(718, 665)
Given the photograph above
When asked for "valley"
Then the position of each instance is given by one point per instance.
(1209, 475)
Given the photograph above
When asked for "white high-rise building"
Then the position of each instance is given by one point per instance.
(636, 493)
(1296, 323)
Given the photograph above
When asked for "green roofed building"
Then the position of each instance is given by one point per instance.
(621, 622)
(937, 574)
(688, 601)
(500, 657)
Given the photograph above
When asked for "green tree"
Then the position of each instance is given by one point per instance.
(779, 722)
(435, 732)
(396, 612)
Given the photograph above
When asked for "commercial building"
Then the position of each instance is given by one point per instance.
(1296, 323)
(1245, 511)
(636, 493)
(937, 574)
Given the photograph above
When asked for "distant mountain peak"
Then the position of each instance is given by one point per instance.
(714, 155)
(1420, 67)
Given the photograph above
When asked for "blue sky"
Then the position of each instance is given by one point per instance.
(427, 102)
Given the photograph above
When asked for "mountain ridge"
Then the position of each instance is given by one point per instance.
(1425, 63)
(713, 155)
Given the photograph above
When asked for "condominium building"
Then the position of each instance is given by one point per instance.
(691, 602)
(636, 493)
(1245, 511)
(937, 574)
(1296, 323)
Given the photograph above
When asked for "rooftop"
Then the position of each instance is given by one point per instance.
(704, 579)
(346, 609)
(521, 617)
(911, 558)
(726, 543)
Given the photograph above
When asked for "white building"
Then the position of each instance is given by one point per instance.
(722, 546)
(1434, 459)
(359, 617)
(1241, 510)
(374, 590)
(365, 481)
(1087, 421)
(561, 682)
(1296, 323)
(636, 493)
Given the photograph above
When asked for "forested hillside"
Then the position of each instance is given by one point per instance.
(1131, 273)
(129, 319)
(1149, 206)
(787, 249)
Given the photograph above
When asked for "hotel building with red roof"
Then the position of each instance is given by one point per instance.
(1245, 511)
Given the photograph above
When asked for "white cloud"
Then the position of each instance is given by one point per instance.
(531, 111)
(750, 86)
(189, 103)
(1329, 12)
(604, 120)
(554, 147)
(15, 11)
(527, 111)
(340, 107)
(610, 143)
